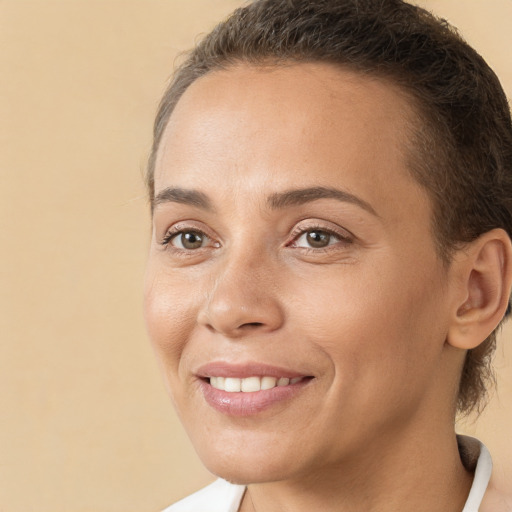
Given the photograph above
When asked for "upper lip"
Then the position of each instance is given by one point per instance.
(244, 370)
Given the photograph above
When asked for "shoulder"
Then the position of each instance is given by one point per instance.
(219, 496)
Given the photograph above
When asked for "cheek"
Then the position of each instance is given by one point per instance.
(374, 321)
(377, 329)
(170, 316)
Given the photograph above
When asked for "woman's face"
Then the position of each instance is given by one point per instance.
(290, 242)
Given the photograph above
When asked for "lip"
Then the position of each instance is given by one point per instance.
(248, 404)
(244, 370)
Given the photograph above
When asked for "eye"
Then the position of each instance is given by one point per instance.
(187, 240)
(316, 239)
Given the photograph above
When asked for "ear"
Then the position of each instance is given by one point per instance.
(485, 273)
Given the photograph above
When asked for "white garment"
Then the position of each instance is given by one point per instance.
(222, 496)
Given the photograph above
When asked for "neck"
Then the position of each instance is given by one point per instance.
(421, 473)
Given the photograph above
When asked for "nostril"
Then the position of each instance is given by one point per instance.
(247, 326)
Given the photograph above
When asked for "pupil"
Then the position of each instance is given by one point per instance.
(191, 240)
(318, 239)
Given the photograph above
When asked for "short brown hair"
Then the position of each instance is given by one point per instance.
(463, 140)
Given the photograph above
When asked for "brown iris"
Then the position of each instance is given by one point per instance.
(318, 239)
(191, 240)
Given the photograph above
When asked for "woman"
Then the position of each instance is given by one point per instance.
(330, 185)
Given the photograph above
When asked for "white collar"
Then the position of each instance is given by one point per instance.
(475, 456)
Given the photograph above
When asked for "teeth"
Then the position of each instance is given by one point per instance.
(250, 384)
(232, 385)
(268, 382)
(217, 382)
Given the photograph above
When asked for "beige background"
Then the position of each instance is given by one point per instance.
(85, 422)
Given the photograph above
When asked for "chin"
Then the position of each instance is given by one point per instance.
(247, 466)
(241, 474)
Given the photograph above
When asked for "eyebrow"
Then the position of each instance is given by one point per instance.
(276, 201)
(300, 196)
(183, 196)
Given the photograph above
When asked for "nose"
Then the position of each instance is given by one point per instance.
(243, 299)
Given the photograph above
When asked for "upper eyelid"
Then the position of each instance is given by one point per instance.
(336, 230)
(170, 234)
(180, 227)
(189, 225)
(340, 239)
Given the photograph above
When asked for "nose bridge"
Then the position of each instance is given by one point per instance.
(242, 296)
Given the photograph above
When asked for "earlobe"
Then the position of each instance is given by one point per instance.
(486, 277)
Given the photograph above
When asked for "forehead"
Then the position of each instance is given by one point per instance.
(308, 123)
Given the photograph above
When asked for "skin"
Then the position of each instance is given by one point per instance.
(368, 316)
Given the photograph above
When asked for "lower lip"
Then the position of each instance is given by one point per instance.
(249, 404)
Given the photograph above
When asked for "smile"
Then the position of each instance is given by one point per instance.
(250, 388)
(251, 384)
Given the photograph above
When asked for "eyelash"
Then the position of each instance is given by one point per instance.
(178, 230)
(344, 238)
